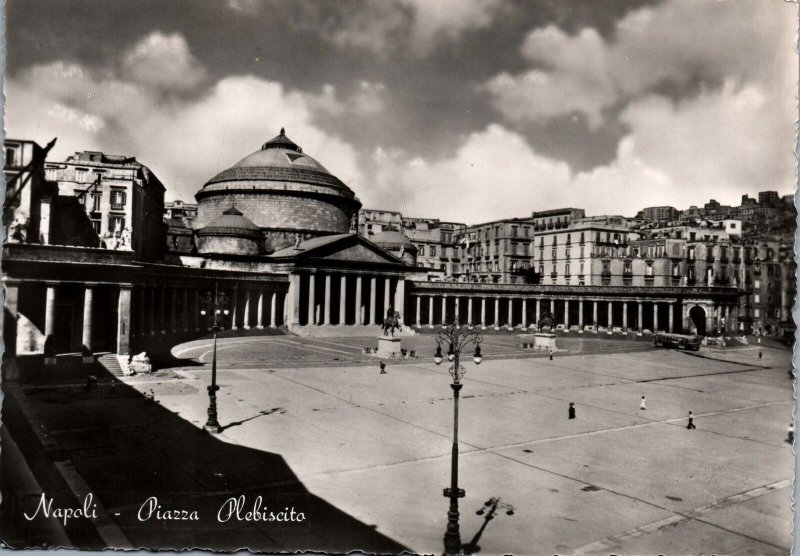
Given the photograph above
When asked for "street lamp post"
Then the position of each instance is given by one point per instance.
(215, 307)
(457, 338)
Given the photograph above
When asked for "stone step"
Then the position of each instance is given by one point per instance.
(110, 362)
(350, 331)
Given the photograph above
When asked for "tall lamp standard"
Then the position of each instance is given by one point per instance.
(215, 308)
(457, 338)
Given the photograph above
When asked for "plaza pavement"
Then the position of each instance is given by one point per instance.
(616, 479)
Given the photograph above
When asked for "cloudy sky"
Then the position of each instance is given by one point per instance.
(465, 110)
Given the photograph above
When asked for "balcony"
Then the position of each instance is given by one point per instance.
(117, 206)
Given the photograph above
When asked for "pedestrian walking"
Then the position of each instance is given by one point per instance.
(571, 410)
(691, 426)
(383, 368)
(790, 434)
(643, 404)
(760, 355)
(551, 355)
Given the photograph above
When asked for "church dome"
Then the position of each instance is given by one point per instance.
(230, 233)
(283, 191)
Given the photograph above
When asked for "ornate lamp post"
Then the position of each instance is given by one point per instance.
(457, 338)
(215, 307)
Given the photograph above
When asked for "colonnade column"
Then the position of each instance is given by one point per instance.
(510, 313)
(553, 308)
(124, 319)
(594, 314)
(327, 311)
(273, 310)
(496, 313)
(372, 283)
(671, 315)
(538, 311)
(260, 320)
(294, 300)
(86, 337)
(610, 320)
(524, 313)
(624, 316)
(312, 299)
(444, 310)
(246, 319)
(430, 311)
(359, 319)
(457, 319)
(580, 314)
(639, 323)
(483, 312)
(417, 314)
(655, 316)
(234, 326)
(185, 310)
(469, 311)
(566, 314)
(342, 299)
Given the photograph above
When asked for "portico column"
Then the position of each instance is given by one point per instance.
(327, 311)
(400, 297)
(538, 311)
(497, 313)
(671, 315)
(655, 316)
(294, 300)
(196, 310)
(234, 325)
(726, 317)
(246, 319)
(594, 314)
(312, 299)
(86, 338)
(469, 311)
(342, 299)
(610, 317)
(124, 320)
(510, 313)
(483, 312)
(430, 311)
(173, 309)
(152, 299)
(372, 285)
(524, 313)
(566, 314)
(457, 308)
(553, 308)
(185, 307)
(163, 309)
(639, 323)
(359, 319)
(260, 309)
(417, 314)
(444, 310)
(387, 289)
(273, 310)
(624, 316)
(580, 314)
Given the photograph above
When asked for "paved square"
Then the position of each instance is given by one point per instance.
(616, 479)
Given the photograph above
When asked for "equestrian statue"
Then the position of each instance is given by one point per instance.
(392, 322)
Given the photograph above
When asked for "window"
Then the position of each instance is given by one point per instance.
(96, 226)
(582, 252)
(525, 231)
(513, 231)
(80, 175)
(581, 237)
(96, 202)
(421, 250)
(116, 224)
(627, 268)
(11, 155)
(554, 254)
(433, 250)
(541, 269)
(566, 271)
(568, 250)
(581, 272)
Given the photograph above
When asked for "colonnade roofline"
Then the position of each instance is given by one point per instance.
(461, 288)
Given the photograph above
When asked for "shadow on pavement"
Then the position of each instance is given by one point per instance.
(146, 465)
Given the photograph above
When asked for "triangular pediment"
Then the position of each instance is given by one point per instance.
(348, 248)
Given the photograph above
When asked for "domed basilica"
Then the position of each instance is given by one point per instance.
(279, 190)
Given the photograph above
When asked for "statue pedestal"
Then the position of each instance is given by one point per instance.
(389, 347)
(545, 341)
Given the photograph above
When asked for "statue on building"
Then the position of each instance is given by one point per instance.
(125, 239)
(18, 230)
(297, 240)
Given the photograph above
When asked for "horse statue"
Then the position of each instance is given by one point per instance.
(392, 322)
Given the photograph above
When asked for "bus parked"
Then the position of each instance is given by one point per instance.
(679, 341)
